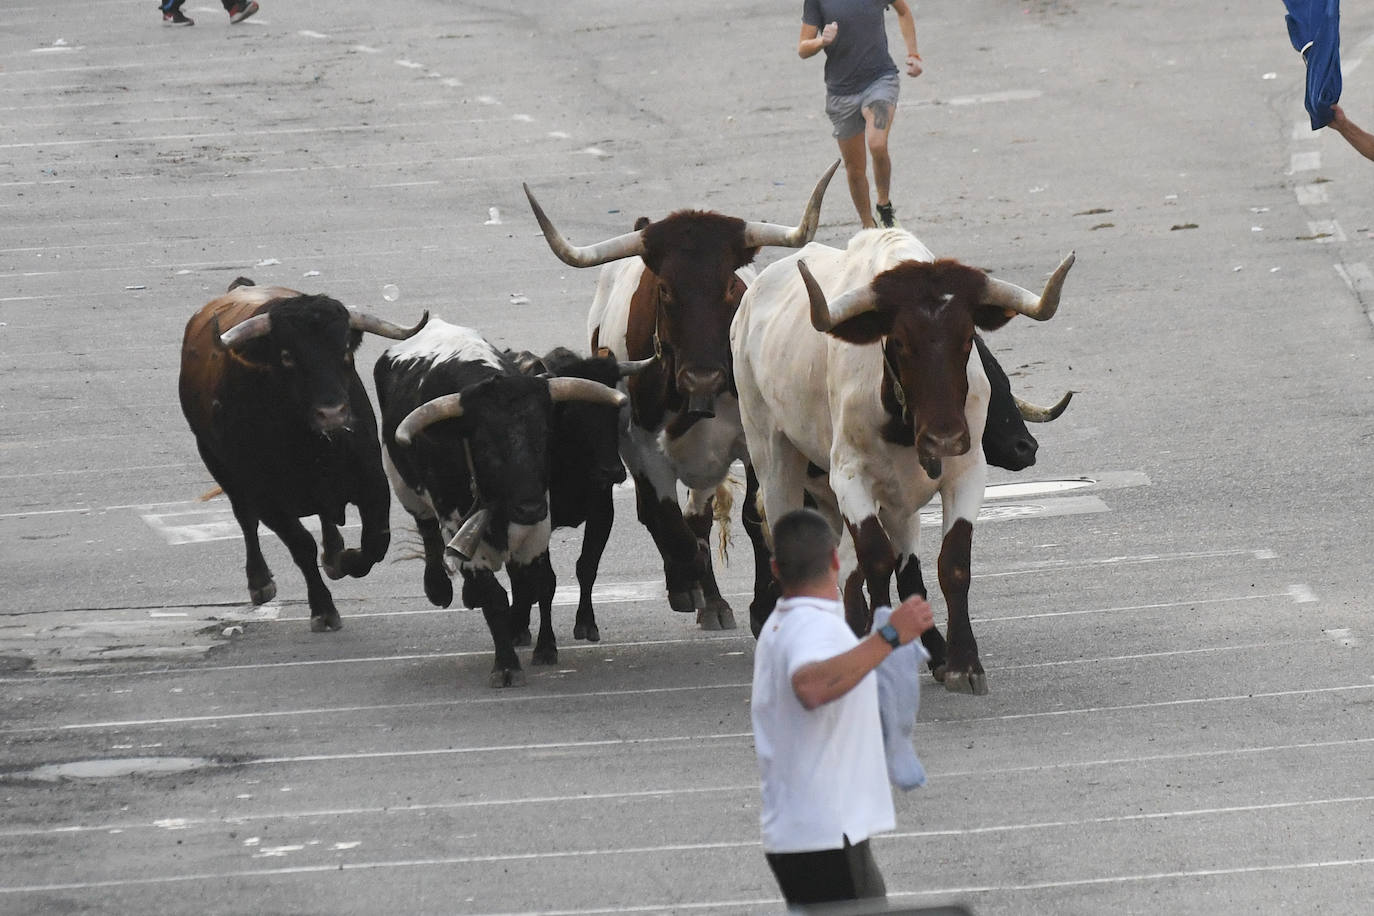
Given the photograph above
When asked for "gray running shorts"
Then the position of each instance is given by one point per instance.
(847, 111)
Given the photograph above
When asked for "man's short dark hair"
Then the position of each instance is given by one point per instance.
(802, 545)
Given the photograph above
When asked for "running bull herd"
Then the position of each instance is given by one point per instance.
(845, 379)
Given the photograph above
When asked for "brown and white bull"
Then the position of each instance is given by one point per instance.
(889, 401)
(285, 427)
(670, 289)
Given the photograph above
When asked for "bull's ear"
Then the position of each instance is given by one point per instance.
(864, 328)
(991, 317)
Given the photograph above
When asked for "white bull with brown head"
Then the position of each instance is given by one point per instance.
(888, 400)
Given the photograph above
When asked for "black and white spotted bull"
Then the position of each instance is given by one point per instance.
(285, 427)
(467, 446)
(670, 289)
(858, 361)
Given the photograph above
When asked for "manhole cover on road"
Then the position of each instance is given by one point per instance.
(120, 766)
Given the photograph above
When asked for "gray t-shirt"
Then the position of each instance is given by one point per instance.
(859, 54)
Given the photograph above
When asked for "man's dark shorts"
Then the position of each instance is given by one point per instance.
(847, 111)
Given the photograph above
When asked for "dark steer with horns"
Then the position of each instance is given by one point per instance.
(585, 466)
(285, 427)
(670, 289)
(467, 438)
(888, 400)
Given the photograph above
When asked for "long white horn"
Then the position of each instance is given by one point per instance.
(1042, 307)
(635, 366)
(1033, 413)
(363, 321)
(244, 331)
(448, 407)
(760, 234)
(613, 249)
(824, 315)
(581, 389)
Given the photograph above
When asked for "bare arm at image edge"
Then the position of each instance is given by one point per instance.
(1360, 139)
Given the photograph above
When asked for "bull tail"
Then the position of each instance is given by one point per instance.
(211, 494)
(724, 501)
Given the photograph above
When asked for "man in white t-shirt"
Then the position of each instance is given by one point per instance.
(816, 726)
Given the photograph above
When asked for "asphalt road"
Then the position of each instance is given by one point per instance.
(1174, 609)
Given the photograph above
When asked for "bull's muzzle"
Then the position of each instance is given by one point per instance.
(332, 418)
(701, 387)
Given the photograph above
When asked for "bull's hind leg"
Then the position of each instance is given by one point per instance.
(766, 592)
(713, 611)
(480, 589)
(262, 588)
(595, 534)
(323, 615)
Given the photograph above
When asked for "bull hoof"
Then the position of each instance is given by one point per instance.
(264, 594)
(544, 655)
(938, 672)
(970, 682)
(717, 615)
(438, 588)
(506, 677)
(332, 570)
(523, 638)
(588, 631)
(325, 623)
(681, 602)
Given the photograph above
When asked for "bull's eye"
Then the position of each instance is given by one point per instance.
(287, 360)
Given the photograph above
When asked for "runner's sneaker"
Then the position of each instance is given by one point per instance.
(172, 14)
(241, 11)
(886, 217)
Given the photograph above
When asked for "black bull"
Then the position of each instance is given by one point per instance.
(285, 427)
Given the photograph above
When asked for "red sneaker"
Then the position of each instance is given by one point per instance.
(241, 11)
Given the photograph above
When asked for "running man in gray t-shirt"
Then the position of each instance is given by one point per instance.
(861, 83)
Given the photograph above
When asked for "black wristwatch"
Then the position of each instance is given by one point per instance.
(888, 632)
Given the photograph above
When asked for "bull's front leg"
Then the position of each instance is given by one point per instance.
(480, 589)
(876, 561)
(374, 507)
(963, 671)
(911, 582)
(537, 583)
(438, 585)
(656, 502)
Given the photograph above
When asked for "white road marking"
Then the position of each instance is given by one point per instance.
(1304, 162)
(1357, 276)
(1311, 195)
(984, 98)
(1302, 594)
(1325, 231)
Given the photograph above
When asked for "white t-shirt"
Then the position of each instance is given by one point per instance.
(824, 773)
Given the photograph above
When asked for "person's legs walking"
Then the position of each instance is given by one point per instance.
(814, 877)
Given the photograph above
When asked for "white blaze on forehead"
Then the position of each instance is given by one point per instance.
(439, 340)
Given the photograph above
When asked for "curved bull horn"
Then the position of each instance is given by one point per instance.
(363, 321)
(824, 315)
(1033, 413)
(448, 407)
(613, 249)
(581, 389)
(634, 367)
(1042, 307)
(759, 234)
(244, 331)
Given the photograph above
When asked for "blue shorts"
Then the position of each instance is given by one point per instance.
(847, 111)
